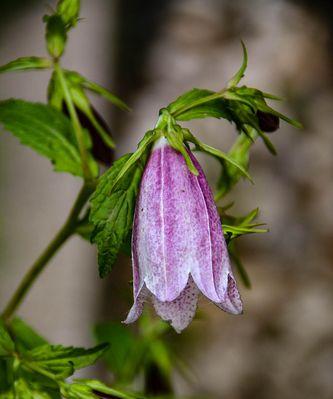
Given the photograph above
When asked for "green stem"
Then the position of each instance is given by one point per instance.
(38, 266)
(75, 121)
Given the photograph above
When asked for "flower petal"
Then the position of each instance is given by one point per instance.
(137, 308)
(181, 310)
(232, 302)
(167, 220)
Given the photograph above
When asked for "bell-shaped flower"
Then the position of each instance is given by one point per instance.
(178, 247)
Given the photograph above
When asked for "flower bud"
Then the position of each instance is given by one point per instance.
(268, 122)
(69, 11)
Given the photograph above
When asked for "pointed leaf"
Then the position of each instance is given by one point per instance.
(45, 130)
(240, 73)
(25, 64)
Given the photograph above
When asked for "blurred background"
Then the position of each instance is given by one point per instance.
(148, 53)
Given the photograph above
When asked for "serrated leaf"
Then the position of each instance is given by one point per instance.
(25, 336)
(44, 129)
(62, 361)
(25, 64)
(7, 346)
(112, 209)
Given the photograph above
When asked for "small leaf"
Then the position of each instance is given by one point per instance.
(25, 64)
(45, 130)
(7, 346)
(240, 73)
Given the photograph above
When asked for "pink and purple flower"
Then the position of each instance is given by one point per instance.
(178, 247)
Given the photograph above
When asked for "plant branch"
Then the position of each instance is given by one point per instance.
(39, 265)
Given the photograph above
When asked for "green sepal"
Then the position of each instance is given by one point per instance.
(26, 64)
(176, 141)
(215, 152)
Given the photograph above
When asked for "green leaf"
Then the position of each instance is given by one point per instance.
(7, 346)
(56, 358)
(101, 388)
(240, 73)
(240, 153)
(87, 84)
(45, 130)
(25, 64)
(25, 337)
(188, 98)
(195, 104)
(112, 209)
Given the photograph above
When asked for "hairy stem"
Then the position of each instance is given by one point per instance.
(75, 121)
(39, 265)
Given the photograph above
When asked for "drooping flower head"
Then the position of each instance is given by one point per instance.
(178, 247)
